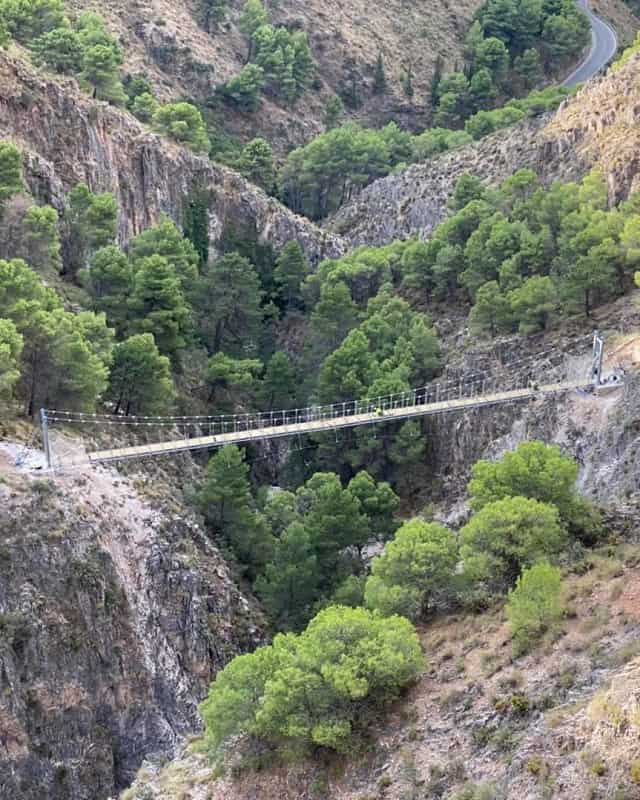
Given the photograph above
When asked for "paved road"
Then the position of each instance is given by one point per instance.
(603, 48)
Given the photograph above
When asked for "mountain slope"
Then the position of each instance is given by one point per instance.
(117, 614)
(598, 128)
(163, 40)
(71, 138)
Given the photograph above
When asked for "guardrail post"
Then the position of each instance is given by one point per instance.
(44, 424)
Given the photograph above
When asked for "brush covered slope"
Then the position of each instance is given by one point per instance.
(186, 57)
(598, 128)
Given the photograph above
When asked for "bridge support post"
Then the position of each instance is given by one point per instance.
(44, 425)
(598, 357)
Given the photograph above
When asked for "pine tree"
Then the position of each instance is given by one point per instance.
(157, 305)
(109, 281)
(289, 586)
(292, 269)
(379, 78)
(11, 344)
(228, 305)
(140, 381)
(11, 181)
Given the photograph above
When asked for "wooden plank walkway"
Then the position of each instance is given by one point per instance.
(330, 423)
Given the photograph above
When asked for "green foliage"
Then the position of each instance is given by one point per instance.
(101, 60)
(157, 304)
(41, 240)
(280, 383)
(254, 16)
(182, 122)
(229, 380)
(378, 502)
(534, 470)
(257, 165)
(319, 531)
(227, 305)
(321, 176)
(245, 88)
(61, 50)
(508, 535)
(164, 239)
(512, 44)
(280, 61)
(415, 571)
(393, 349)
(491, 311)
(291, 270)
(525, 254)
(91, 221)
(285, 59)
(145, 107)
(4, 34)
(318, 688)
(11, 344)
(539, 471)
(228, 507)
(11, 181)
(534, 605)
(140, 381)
(136, 85)
(379, 77)
(26, 20)
(65, 358)
(211, 12)
(627, 54)
(196, 223)
(334, 109)
(290, 583)
(533, 303)
(109, 281)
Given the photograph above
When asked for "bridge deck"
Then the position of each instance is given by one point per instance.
(329, 423)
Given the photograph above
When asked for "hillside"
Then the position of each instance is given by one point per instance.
(117, 612)
(598, 128)
(329, 615)
(72, 139)
(164, 41)
(560, 722)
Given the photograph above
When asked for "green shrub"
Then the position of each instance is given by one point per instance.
(506, 536)
(318, 688)
(182, 122)
(415, 570)
(534, 605)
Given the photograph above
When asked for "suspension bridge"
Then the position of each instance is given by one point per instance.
(185, 434)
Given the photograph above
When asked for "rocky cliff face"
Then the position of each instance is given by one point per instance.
(70, 138)
(115, 614)
(598, 128)
(414, 202)
(600, 431)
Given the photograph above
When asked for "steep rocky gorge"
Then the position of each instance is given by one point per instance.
(69, 138)
(116, 613)
(460, 722)
(599, 128)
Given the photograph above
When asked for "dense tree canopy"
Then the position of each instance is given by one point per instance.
(62, 362)
(507, 535)
(318, 688)
(415, 570)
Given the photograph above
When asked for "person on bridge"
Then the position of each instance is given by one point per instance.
(378, 412)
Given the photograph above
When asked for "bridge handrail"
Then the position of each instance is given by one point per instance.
(432, 392)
